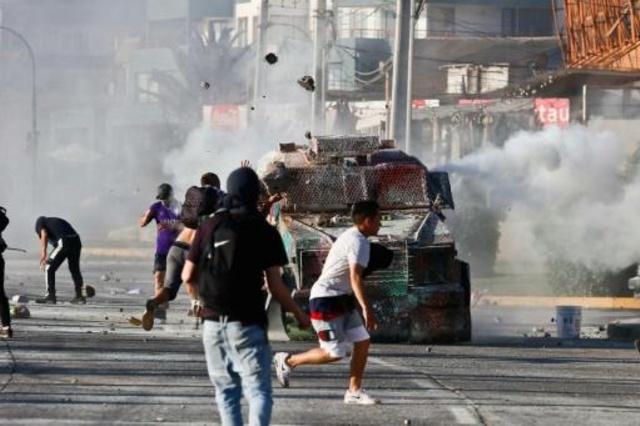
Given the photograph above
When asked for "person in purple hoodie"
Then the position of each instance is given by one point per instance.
(166, 214)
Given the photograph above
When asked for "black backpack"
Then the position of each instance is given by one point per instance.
(217, 268)
(198, 201)
(4, 220)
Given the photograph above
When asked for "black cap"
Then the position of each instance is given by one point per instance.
(164, 191)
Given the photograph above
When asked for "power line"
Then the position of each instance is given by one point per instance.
(443, 60)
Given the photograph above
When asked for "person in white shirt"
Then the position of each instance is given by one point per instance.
(333, 302)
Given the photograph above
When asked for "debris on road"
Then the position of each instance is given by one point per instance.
(19, 298)
(271, 58)
(105, 277)
(307, 83)
(90, 290)
(205, 85)
(592, 332)
(135, 321)
(20, 311)
(134, 291)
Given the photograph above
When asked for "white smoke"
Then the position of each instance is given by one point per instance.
(281, 114)
(209, 150)
(573, 189)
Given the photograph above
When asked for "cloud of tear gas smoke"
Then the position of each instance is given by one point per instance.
(574, 189)
(221, 152)
(281, 114)
(85, 172)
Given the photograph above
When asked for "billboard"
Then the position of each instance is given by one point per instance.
(229, 117)
(425, 103)
(552, 111)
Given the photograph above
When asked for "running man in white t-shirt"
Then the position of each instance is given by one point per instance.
(332, 306)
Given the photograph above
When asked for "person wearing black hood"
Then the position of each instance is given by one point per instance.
(231, 253)
(66, 246)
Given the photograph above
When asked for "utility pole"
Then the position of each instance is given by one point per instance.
(32, 138)
(319, 19)
(412, 32)
(386, 69)
(402, 62)
(260, 41)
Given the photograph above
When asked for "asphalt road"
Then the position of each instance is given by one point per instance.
(72, 364)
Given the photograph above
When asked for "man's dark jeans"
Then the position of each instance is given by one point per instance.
(66, 249)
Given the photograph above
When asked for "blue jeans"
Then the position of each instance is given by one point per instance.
(239, 362)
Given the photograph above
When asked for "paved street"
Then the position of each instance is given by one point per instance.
(86, 364)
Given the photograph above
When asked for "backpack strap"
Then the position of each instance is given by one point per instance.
(218, 217)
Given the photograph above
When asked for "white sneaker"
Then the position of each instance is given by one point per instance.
(359, 397)
(282, 369)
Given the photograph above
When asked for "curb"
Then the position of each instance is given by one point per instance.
(121, 252)
(551, 302)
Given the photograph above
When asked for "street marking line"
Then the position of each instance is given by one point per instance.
(464, 416)
(424, 383)
(12, 370)
(49, 421)
(468, 415)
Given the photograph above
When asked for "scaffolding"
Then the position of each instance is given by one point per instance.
(599, 34)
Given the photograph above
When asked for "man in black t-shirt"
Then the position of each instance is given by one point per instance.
(235, 341)
(66, 246)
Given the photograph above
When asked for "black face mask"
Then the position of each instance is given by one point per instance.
(243, 187)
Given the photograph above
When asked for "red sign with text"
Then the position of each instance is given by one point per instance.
(552, 111)
(223, 117)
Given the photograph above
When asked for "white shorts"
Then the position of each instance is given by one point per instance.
(336, 336)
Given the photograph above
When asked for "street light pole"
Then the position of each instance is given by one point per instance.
(260, 41)
(33, 135)
(319, 17)
(401, 96)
